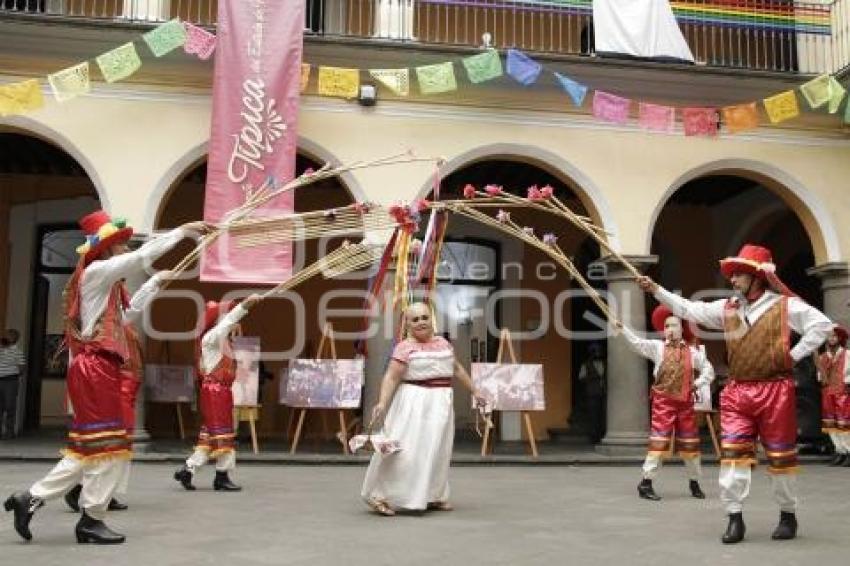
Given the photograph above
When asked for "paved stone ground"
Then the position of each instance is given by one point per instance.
(504, 515)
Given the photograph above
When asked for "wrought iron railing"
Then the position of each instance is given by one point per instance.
(812, 36)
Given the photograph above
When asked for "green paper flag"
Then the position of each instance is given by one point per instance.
(836, 95)
(166, 37)
(484, 66)
(434, 79)
(119, 63)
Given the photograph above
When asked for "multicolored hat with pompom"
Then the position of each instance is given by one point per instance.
(101, 232)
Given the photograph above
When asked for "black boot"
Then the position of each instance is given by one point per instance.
(735, 530)
(646, 492)
(24, 506)
(92, 530)
(222, 483)
(839, 459)
(115, 505)
(696, 491)
(787, 527)
(184, 476)
(72, 498)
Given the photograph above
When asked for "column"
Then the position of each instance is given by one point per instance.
(628, 389)
(835, 282)
(147, 10)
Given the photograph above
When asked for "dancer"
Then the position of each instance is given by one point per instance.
(676, 359)
(98, 447)
(834, 377)
(217, 371)
(759, 400)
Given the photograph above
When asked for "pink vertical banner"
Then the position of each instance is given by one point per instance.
(256, 87)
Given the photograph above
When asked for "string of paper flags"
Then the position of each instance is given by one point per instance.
(120, 63)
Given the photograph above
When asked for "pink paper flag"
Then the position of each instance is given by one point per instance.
(254, 131)
(700, 121)
(656, 118)
(611, 108)
(198, 41)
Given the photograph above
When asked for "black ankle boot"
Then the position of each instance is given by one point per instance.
(735, 530)
(222, 483)
(115, 505)
(184, 476)
(72, 498)
(787, 527)
(645, 491)
(24, 506)
(696, 490)
(92, 530)
(838, 460)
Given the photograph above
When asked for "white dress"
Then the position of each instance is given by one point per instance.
(421, 419)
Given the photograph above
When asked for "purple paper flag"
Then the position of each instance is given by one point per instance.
(523, 68)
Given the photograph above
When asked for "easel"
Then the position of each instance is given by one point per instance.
(327, 342)
(506, 344)
(251, 414)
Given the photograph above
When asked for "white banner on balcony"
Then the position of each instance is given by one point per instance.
(639, 28)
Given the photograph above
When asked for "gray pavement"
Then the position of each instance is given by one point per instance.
(504, 515)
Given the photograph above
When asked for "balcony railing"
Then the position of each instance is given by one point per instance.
(812, 36)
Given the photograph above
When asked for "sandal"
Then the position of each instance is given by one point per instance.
(440, 506)
(380, 507)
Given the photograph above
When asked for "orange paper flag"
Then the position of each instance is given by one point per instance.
(740, 117)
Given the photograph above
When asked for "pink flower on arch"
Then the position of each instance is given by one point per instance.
(547, 192)
(534, 193)
(493, 190)
(469, 191)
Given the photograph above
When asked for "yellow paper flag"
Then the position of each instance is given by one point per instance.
(741, 117)
(17, 98)
(305, 76)
(344, 83)
(782, 107)
(71, 82)
(397, 80)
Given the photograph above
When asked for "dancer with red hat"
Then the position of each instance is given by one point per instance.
(98, 450)
(759, 400)
(216, 369)
(834, 376)
(677, 359)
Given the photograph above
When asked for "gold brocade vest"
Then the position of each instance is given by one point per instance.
(832, 369)
(675, 375)
(761, 352)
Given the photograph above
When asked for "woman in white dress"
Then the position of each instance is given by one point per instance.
(417, 388)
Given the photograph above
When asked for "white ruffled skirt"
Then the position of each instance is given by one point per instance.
(421, 419)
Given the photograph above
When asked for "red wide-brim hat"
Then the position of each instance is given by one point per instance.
(661, 314)
(102, 232)
(752, 259)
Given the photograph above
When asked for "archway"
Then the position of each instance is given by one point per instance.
(43, 192)
(711, 217)
(276, 322)
(534, 291)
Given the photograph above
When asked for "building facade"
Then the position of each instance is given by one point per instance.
(672, 204)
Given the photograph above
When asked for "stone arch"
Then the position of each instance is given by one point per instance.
(813, 214)
(585, 189)
(26, 126)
